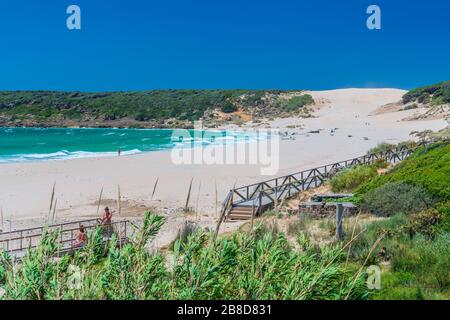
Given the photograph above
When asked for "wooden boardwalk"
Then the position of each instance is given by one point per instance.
(18, 242)
(248, 201)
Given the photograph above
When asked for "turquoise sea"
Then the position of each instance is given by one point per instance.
(38, 144)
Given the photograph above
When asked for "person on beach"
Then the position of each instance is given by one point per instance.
(107, 216)
(119, 152)
(81, 238)
(106, 222)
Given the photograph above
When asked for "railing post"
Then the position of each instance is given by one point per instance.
(339, 212)
(260, 201)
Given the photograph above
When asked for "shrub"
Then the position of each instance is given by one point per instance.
(350, 179)
(360, 248)
(298, 102)
(427, 222)
(427, 260)
(228, 107)
(381, 147)
(396, 197)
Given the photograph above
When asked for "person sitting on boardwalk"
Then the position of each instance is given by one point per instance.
(81, 238)
(106, 222)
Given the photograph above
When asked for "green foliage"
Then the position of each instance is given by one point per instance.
(350, 179)
(420, 268)
(228, 107)
(253, 265)
(381, 147)
(396, 197)
(297, 102)
(427, 168)
(360, 249)
(415, 249)
(437, 94)
(155, 105)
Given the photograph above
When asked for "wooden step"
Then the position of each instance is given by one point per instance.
(239, 217)
(241, 211)
(242, 208)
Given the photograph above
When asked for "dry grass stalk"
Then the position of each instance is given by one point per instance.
(216, 197)
(198, 197)
(1, 219)
(119, 209)
(365, 261)
(99, 200)
(186, 206)
(253, 216)
(54, 211)
(51, 202)
(154, 189)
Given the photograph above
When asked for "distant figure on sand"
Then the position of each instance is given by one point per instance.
(119, 152)
(106, 222)
(81, 238)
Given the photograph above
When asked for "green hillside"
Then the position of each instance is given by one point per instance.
(436, 94)
(156, 108)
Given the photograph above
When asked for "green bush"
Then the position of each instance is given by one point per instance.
(381, 147)
(427, 260)
(428, 168)
(228, 107)
(360, 248)
(298, 102)
(396, 197)
(438, 93)
(350, 179)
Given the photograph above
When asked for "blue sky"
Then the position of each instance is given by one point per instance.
(206, 44)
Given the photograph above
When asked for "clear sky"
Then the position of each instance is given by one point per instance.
(206, 44)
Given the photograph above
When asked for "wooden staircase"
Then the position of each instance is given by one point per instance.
(240, 213)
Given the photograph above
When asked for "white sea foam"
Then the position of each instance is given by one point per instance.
(62, 155)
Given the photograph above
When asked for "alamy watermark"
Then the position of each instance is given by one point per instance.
(374, 20)
(73, 21)
(75, 278)
(373, 277)
(259, 147)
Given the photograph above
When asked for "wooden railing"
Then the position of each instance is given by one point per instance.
(21, 240)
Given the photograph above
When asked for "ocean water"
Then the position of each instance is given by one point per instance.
(40, 144)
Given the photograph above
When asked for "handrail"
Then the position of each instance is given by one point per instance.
(49, 226)
(316, 176)
(28, 241)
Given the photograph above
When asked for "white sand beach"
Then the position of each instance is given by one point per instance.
(25, 188)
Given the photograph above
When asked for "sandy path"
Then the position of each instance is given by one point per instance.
(25, 188)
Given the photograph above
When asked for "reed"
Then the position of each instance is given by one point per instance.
(54, 211)
(198, 198)
(1, 220)
(216, 198)
(186, 206)
(119, 208)
(99, 201)
(253, 266)
(51, 202)
(154, 189)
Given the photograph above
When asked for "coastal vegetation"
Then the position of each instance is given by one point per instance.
(436, 94)
(403, 229)
(155, 108)
(245, 265)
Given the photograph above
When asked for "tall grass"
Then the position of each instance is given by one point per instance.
(253, 265)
